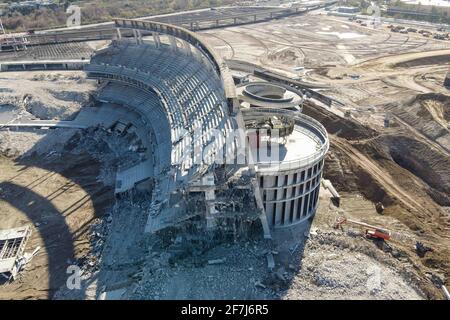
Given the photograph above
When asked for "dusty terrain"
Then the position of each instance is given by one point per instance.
(376, 75)
(393, 168)
(318, 269)
(50, 96)
(60, 199)
(61, 181)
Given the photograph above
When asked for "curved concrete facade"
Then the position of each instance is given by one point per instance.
(197, 91)
(290, 186)
(291, 197)
(193, 39)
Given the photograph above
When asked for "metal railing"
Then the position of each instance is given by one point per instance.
(302, 121)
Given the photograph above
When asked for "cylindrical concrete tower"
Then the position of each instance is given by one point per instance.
(289, 169)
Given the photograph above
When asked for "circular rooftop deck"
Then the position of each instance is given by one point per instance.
(307, 144)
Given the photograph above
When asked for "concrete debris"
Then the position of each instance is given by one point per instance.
(379, 207)
(422, 249)
(22, 261)
(295, 247)
(447, 294)
(217, 261)
(12, 248)
(270, 262)
(281, 274)
(395, 164)
(436, 278)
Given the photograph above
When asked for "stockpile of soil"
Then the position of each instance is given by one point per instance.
(410, 177)
(426, 163)
(436, 106)
(427, 113)
(284, 55)
(439, 59)
(344, 128)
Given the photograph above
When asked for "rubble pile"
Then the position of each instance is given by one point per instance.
(108, 147)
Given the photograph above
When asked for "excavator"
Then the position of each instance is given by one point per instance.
(377, 233)
(371, 232)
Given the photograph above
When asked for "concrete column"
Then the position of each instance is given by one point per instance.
(173, 43)
(210, 209)
(135, 36)
(205, 61)
(298, 208)
(269, 182)
(288, 218)
(294, 204)
(317, 196)
(302, 202)
(278, 214)
(139, 34)
(156, 39)
(307, 205)
(279, 206)
(195, 54)
(263, 216)
(119, 34)
(187, 48)
(295, 193)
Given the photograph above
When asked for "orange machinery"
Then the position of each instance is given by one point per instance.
(372, 232)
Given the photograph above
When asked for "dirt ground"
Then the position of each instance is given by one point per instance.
(60, 199)
(376, 75)
(45, 96)
(318, 269)
(67, 196)
(55, 181)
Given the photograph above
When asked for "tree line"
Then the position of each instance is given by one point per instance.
(99, 11)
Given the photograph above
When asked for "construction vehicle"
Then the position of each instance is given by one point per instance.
(425, 33)
(397, 28)
(371, 232)
(439, 36)
(382, 234)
